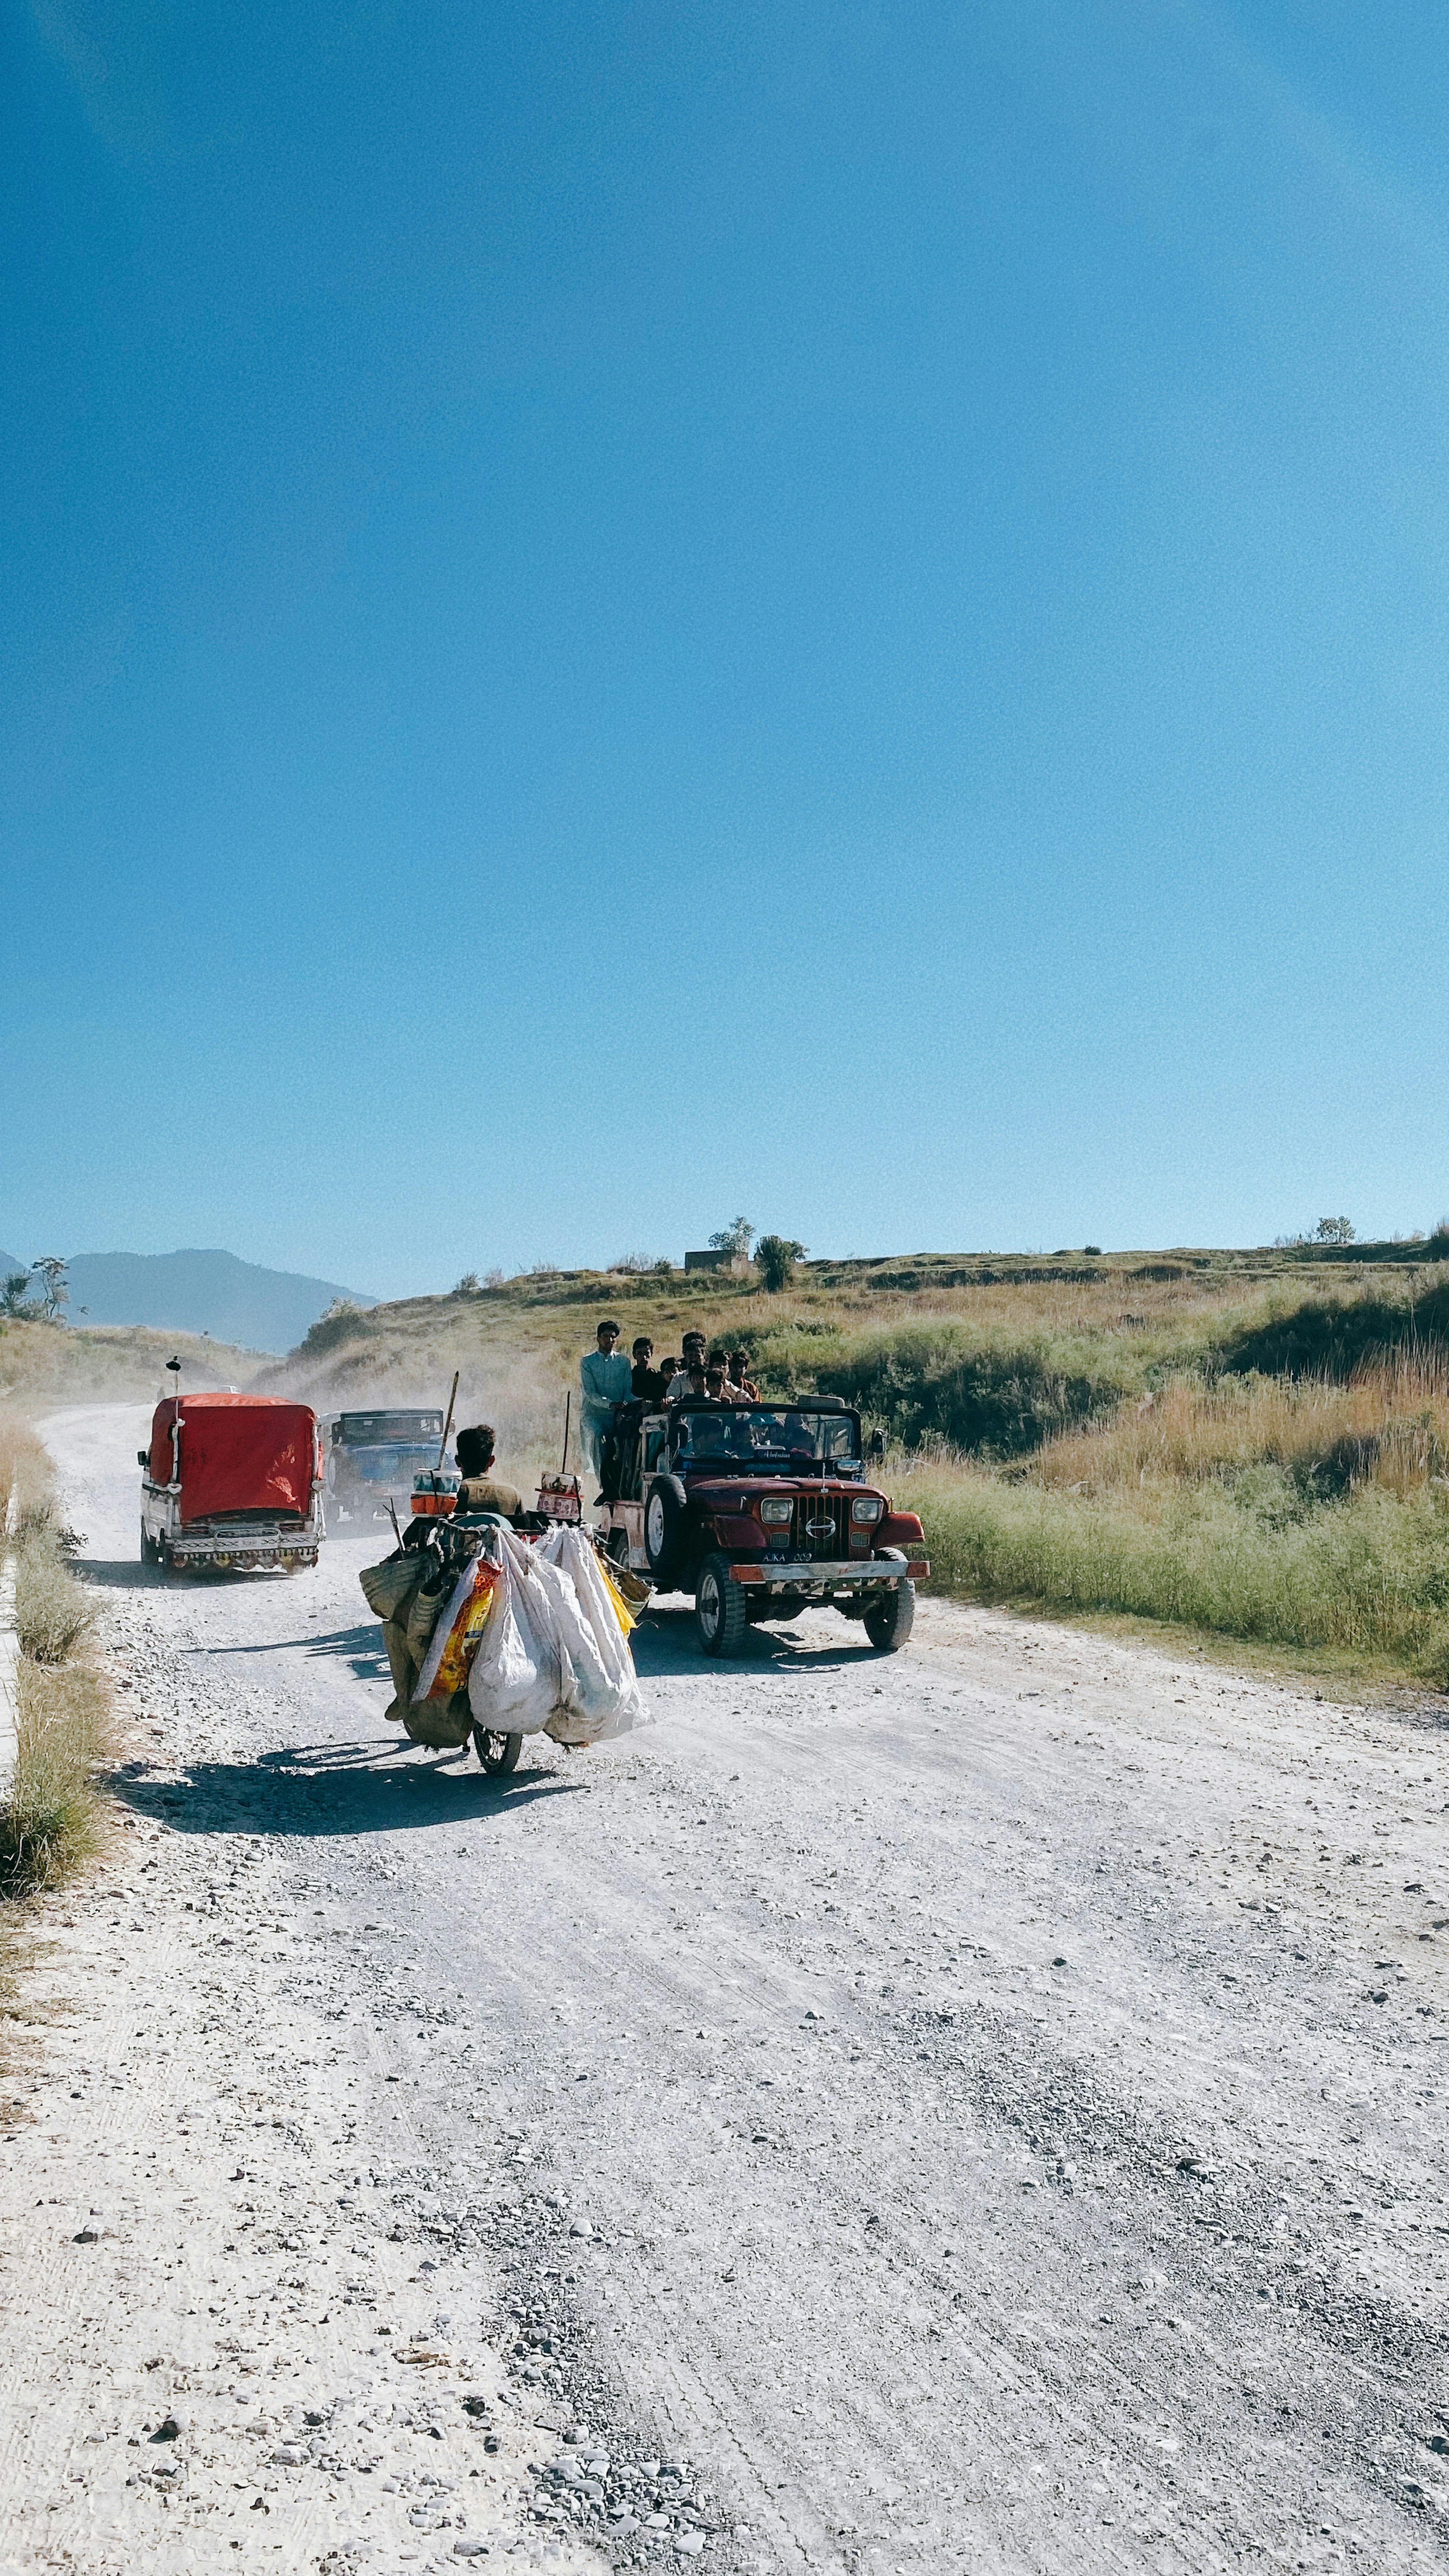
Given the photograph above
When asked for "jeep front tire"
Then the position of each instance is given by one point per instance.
(720, 1610)
(889, 1618)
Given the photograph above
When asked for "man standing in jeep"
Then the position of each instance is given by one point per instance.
(605, 1379)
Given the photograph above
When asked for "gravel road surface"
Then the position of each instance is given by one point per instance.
(976, 2109)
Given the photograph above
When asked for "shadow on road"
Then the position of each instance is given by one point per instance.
(335, 1789)
(665, 1643)
(119, 1574)
(359, 1647)
(128, 1574)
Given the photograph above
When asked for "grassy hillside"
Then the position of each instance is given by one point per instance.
(987, 1355)
(1255, 1443)
(49, 1364)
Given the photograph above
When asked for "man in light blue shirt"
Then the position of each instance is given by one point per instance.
(607, 1379)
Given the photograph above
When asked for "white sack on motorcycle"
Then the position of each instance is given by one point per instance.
(552, 1657)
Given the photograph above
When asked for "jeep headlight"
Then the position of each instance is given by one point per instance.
(866, 1508)
(776, 1512)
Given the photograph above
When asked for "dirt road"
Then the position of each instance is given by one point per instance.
(981, 2109)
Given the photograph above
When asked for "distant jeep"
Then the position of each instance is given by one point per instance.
(758, 1510)
(375, 1455)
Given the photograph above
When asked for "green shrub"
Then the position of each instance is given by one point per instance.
(777, 1255)
(341, 1323)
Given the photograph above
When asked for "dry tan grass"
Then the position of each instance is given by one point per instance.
(24, 1468)
(52, 1612)
(50, 1822)
(49, 1364)
(518, 1361)
(1388, 1425)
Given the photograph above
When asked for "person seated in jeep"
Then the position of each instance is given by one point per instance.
(713, 1438)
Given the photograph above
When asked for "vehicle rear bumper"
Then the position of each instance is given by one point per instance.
(261, 1545)
(849, 1574)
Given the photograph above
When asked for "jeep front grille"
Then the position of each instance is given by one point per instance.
(822, 1526)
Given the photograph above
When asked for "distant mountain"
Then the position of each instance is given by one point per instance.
(10, 1263)
(198, 1292)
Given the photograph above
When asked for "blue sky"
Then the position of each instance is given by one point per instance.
(613, 615)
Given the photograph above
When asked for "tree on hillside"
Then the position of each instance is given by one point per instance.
(50, 1271)
(777, 1255)
(15, 1294)
(735, 1237)
(1333, 1229)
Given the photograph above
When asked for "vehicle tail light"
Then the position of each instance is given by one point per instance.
(866, 1508)
(776, 1511)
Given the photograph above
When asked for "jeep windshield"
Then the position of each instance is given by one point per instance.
(391, 1461)
(789, 1439)
(362, 1430)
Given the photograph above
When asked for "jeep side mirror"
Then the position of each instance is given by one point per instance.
(143, 1457)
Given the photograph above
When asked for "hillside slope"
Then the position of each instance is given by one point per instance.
(989, 1352)
(49, 1364)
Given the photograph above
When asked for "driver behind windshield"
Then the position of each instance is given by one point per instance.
(711, 1437)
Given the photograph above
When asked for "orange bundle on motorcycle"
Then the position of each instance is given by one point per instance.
(455, 1639)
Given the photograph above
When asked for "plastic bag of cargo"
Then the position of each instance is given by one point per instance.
(601, 1697)
(553, 1654)
(460, 1626)
(515, 1679)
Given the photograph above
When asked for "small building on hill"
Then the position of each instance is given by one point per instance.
(736, 1265)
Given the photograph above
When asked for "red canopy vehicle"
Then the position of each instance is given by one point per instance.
(231, 1481)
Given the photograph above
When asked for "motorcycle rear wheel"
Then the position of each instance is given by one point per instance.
(497, 1753)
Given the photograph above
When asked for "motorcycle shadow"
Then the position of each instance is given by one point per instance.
(326, 1790)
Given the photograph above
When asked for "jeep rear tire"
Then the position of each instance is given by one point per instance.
(664, 1523)
(721, 1613)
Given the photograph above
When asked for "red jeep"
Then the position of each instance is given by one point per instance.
(759, 1509)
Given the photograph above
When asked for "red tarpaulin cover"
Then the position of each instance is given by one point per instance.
(239, 1453)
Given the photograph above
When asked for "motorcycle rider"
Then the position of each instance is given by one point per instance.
(480, 1490)
(407, 1635)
